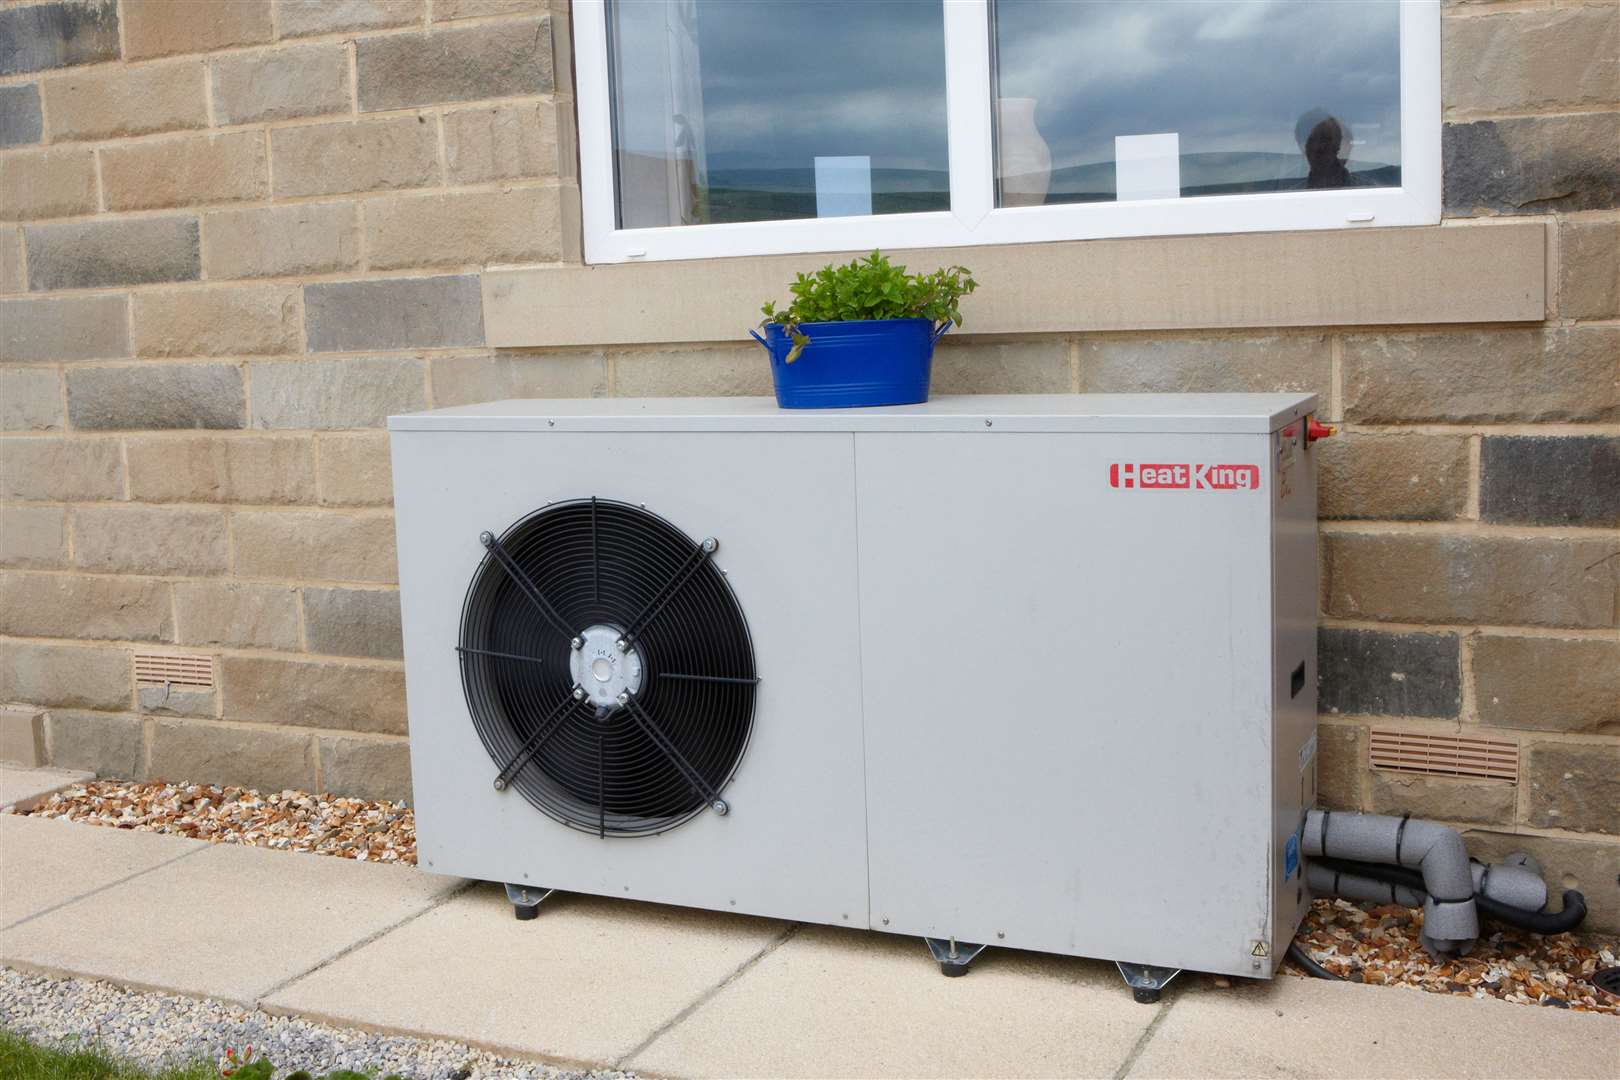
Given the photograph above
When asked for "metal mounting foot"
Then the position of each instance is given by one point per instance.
(953, 956)
(1145, 980)
(526, 900)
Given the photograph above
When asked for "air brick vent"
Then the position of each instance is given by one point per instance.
(175, 669)
(1444, 755)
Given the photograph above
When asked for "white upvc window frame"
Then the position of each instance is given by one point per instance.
(973, 217)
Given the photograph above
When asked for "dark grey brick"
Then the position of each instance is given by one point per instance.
(105, 743)
(394, 313)
(88, 254)
(1374, 673)
(1533, 164)
(1550, 480)
(21, 122)
(145, 396)
(353, 622)
(57, 35)
(397, 71)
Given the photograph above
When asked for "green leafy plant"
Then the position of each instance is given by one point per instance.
(870, 288)
(245, 1066)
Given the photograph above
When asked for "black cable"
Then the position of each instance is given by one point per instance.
(1312, 968)
(1538, 922)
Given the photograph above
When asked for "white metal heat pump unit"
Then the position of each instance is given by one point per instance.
(1037, 672)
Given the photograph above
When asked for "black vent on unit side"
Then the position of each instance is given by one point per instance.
(665, 741)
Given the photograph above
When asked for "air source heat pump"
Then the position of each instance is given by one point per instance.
(1035, 672)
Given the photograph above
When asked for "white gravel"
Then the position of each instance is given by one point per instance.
(154, 1030)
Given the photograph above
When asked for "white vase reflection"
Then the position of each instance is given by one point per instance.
(1025, 165)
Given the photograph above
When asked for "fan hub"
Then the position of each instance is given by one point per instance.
(600, 669)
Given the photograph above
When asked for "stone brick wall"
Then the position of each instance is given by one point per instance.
(237, 235)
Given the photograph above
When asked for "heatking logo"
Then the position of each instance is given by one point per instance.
(1183, 477)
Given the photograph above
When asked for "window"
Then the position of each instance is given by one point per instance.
(714, 128)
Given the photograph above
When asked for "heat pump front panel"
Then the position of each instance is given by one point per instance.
(1068, 695)
(794, 843)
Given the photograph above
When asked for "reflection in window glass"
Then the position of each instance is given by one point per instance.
(1126, 99)
(758, 110)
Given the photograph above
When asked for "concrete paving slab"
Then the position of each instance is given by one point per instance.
(23, 789)
(585, 983)
(1308, 1028)
(834, 1002)
(45, 862)
(230, 922)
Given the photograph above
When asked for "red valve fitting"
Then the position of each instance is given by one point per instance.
(1315, 429)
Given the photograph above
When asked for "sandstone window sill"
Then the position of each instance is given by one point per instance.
(1466, 273)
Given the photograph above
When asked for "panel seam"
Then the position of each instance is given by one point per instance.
(860, 669)
(702, 999)
(109, 885)
(438, 901)
(1142, 1041)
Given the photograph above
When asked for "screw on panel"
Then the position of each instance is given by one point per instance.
(710, 544)
(500, 785)
(987, 423)
(486, 538)
(720, 807)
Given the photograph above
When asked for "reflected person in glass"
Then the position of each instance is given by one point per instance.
(1325, 141)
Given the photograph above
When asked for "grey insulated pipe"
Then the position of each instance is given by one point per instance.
(1510, 883)
(1324, 880)
(1516, 881)
(1450, 920)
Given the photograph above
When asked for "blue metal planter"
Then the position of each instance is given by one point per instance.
(849, 364)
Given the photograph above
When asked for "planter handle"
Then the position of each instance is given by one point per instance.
(941, 331)
(755, 335)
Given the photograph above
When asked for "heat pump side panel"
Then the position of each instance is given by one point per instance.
(1068, 695)
(782, 507)
(1295, 597)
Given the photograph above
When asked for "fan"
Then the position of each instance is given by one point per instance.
(607, 667)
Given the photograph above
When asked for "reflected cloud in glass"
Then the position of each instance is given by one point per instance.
(721, 107)
(1264, 95)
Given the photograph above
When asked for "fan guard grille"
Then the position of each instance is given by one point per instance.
(628, 769)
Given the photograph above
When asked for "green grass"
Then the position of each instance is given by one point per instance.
(24, 1060)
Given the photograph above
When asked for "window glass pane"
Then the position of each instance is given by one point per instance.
(1136, 99)
(760, 110)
